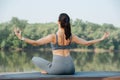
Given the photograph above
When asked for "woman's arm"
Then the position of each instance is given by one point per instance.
(41, 41)
(84, 42)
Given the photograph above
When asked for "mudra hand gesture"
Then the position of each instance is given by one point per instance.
(17, 32)
(106, 35)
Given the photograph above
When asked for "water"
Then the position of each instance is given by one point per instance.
(20, 61)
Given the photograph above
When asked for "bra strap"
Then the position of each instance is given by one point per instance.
(56, 38)
(70, 39)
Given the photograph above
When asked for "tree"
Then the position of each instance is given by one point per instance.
(18, 23)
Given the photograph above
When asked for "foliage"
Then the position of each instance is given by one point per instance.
(86, 30)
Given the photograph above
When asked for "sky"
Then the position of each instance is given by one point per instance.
(42, 11)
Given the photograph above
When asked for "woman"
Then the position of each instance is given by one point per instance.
(62, 62)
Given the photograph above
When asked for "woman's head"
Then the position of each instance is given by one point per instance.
(64, 20)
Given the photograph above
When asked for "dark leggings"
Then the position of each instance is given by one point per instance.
(59, 66)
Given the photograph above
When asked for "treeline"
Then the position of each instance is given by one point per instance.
(86, 30)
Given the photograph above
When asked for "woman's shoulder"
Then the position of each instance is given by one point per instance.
(74, 37)
(53, 36)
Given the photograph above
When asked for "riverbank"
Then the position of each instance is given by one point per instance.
(74, 49)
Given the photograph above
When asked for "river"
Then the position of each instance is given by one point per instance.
(20, 61)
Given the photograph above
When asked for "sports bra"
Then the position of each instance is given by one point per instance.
(57, 46)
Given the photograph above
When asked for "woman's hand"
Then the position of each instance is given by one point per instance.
(17, 32)
(106, 35)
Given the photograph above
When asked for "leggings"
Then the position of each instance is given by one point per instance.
(60, 65)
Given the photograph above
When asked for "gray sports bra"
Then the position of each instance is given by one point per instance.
(57, 46)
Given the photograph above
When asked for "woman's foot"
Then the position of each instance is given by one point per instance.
(43, 72)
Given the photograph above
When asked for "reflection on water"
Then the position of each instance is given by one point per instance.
(14, 61)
